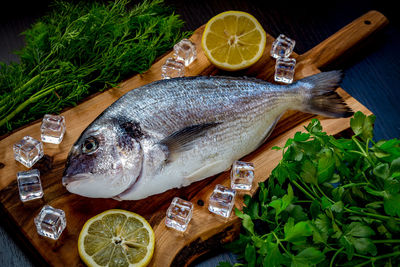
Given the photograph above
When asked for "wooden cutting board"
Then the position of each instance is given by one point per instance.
(206, 231)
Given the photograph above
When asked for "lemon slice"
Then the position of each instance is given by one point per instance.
(116, 238)
(233, 40)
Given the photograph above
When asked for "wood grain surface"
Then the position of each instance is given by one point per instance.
(205, 231)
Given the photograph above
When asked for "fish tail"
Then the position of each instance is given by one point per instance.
(320, 96)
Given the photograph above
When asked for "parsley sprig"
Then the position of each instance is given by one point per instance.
(79, 49)
(329, 202)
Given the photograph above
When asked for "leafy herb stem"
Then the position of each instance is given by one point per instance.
(382, 217)
(322, 192)
(41, 62)
(363, 152)
(307, 187)
(367, 145)
(354, 184)
(303, 201)
(31, 100)
(315, 193)
(366, 179)
(373, 259)
(335, 255)
(280, 244)
(303, 190)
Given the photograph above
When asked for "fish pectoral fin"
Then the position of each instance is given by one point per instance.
(183, 139)
(205, 171)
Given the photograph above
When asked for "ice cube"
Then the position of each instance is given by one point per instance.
(29, 185)
(28, 151)
(172, 69)
(284, 70)
(185, 51)
(242, 175)
(50, 222)
(179, 214)
(282, 46)
(222, 200)
(52, 129)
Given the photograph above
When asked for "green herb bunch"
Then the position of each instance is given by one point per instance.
(82, 48)
(329, 202)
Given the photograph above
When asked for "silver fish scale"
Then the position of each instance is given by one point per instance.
(168, 106)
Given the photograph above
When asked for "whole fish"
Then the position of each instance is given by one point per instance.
(171, 133)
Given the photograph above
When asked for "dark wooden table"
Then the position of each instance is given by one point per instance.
(372, 70)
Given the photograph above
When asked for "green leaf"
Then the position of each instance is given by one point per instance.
(315, 208)
(346, 242)
(301, 137)
(337, 207)
(258, 241)
(325, 203)
(395, 168)
(308, 256)
(341, 143)
(298, 232)
(281, 173)
(288, 142)
(364, 246)
(292, 154)
(277, 205)
(387, 150)
(288, 198)
(273, 256)
(239, 245)
(336, 230)
(382, 170)
(250, 255)
(263, 193)
(392, 186)
(309, 172)
(248, 223)
(357, 235)
(314, 126)
(391, 205)
(319, 237)
(323, 223)
(281, 204)
(297, 213)
(357, 229)
(362, 125)
(338, 193)
(326, 166)
(309, 148)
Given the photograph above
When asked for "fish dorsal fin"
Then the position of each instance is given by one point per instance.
(183, 139)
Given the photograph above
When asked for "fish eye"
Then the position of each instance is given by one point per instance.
(90, 145)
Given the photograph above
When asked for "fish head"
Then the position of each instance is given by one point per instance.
(105, 161)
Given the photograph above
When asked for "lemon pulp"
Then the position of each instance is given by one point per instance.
(233, 40)
(116, 238)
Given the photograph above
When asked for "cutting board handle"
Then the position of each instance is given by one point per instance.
(346, 38)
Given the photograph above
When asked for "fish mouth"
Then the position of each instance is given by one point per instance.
(93, 186)
(75, 178)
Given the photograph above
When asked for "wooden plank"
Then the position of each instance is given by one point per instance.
(205, 230)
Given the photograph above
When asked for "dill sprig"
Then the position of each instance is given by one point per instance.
(79, 49)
